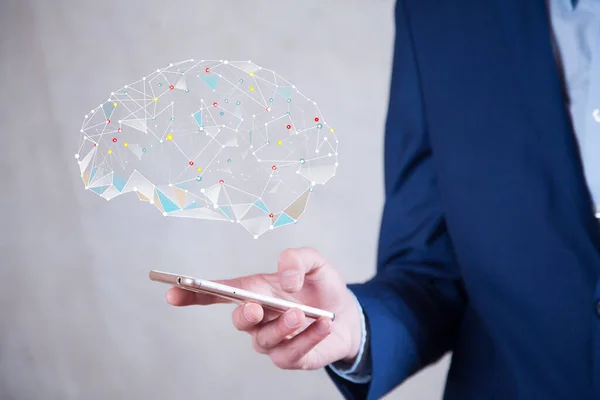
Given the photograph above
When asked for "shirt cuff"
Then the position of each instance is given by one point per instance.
(360, 370)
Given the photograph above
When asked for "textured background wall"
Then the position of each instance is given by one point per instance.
(79, 318)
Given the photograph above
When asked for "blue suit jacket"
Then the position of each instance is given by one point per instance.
(489, 247)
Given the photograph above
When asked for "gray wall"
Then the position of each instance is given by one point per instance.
(78, 317)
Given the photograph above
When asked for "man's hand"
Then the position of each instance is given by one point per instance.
(303, 276)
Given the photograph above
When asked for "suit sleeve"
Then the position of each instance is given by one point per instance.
(415, 301)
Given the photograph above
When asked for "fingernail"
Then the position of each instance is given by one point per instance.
(290, 280)
(323, 326)
(291, 320)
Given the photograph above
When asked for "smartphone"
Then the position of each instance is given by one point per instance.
(236, 295)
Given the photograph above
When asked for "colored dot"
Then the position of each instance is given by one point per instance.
(237, 103)
(221, 181)
(229, 160)
(125, 144)
(268, 109)
(317, 119)
(251, 74)
(171, 87)
(271, 215)
(288, 126)
(226, 100)
(241, 81)
(191, 163)
(199, 178)
(302, 161)
(279, 142)
(222, 113)
(108, 121)
(155, 99)
(95, 144)
(115, 104)
(110, 152)
(215, 104)
(159, 84)
(289, 100)
(319, 126)
(114, 140)
(271, 99)
(119, 130)
(274, 167)
(207, 70)
(331, 130)
(199, 169)
(187, 90)
(143, 150)
(169, 137)
(251, 88)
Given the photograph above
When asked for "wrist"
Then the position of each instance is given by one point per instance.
(356, 328)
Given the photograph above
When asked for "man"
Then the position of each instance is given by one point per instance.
(488, 245)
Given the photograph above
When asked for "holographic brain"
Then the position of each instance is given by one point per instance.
(218, 140)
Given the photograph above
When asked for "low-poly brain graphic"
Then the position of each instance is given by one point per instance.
(218, 140)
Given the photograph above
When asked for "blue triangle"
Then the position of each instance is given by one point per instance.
(285, 92)
(226, 211)
(192, 205)
(181, 185)
(198, 118)
(99, 189)
(283, 219)
(108, 109)
(167, 204)
(92, 175)
(211, 80)
(118, 183)
(260, 204)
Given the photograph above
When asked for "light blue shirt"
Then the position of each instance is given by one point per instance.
(576, 30)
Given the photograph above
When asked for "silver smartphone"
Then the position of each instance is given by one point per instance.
(236, 295)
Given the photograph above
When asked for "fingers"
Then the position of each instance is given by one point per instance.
(294, 264)
(295, 353)
(274, 332)
(180, 297)
(247, 316)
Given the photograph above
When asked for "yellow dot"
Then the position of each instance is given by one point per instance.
(280, 142)
(169, 137)
(251, 87)
(125, 144)
(251, 73)
(156, 99)
(199, 169)
(115, 104)
(110, 152)
(330, 129)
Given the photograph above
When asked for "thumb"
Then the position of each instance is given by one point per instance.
(295, 266)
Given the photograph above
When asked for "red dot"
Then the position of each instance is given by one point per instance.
(273, 167)
(95, 144)
(191, 163)
(119, 130)
(108, 121)
(215, 104)
(317, 119)
(271, 215)
(171, 87)
(221, 181)
(114, 140)
(288, 126)
(207, 69)
(268, 109)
